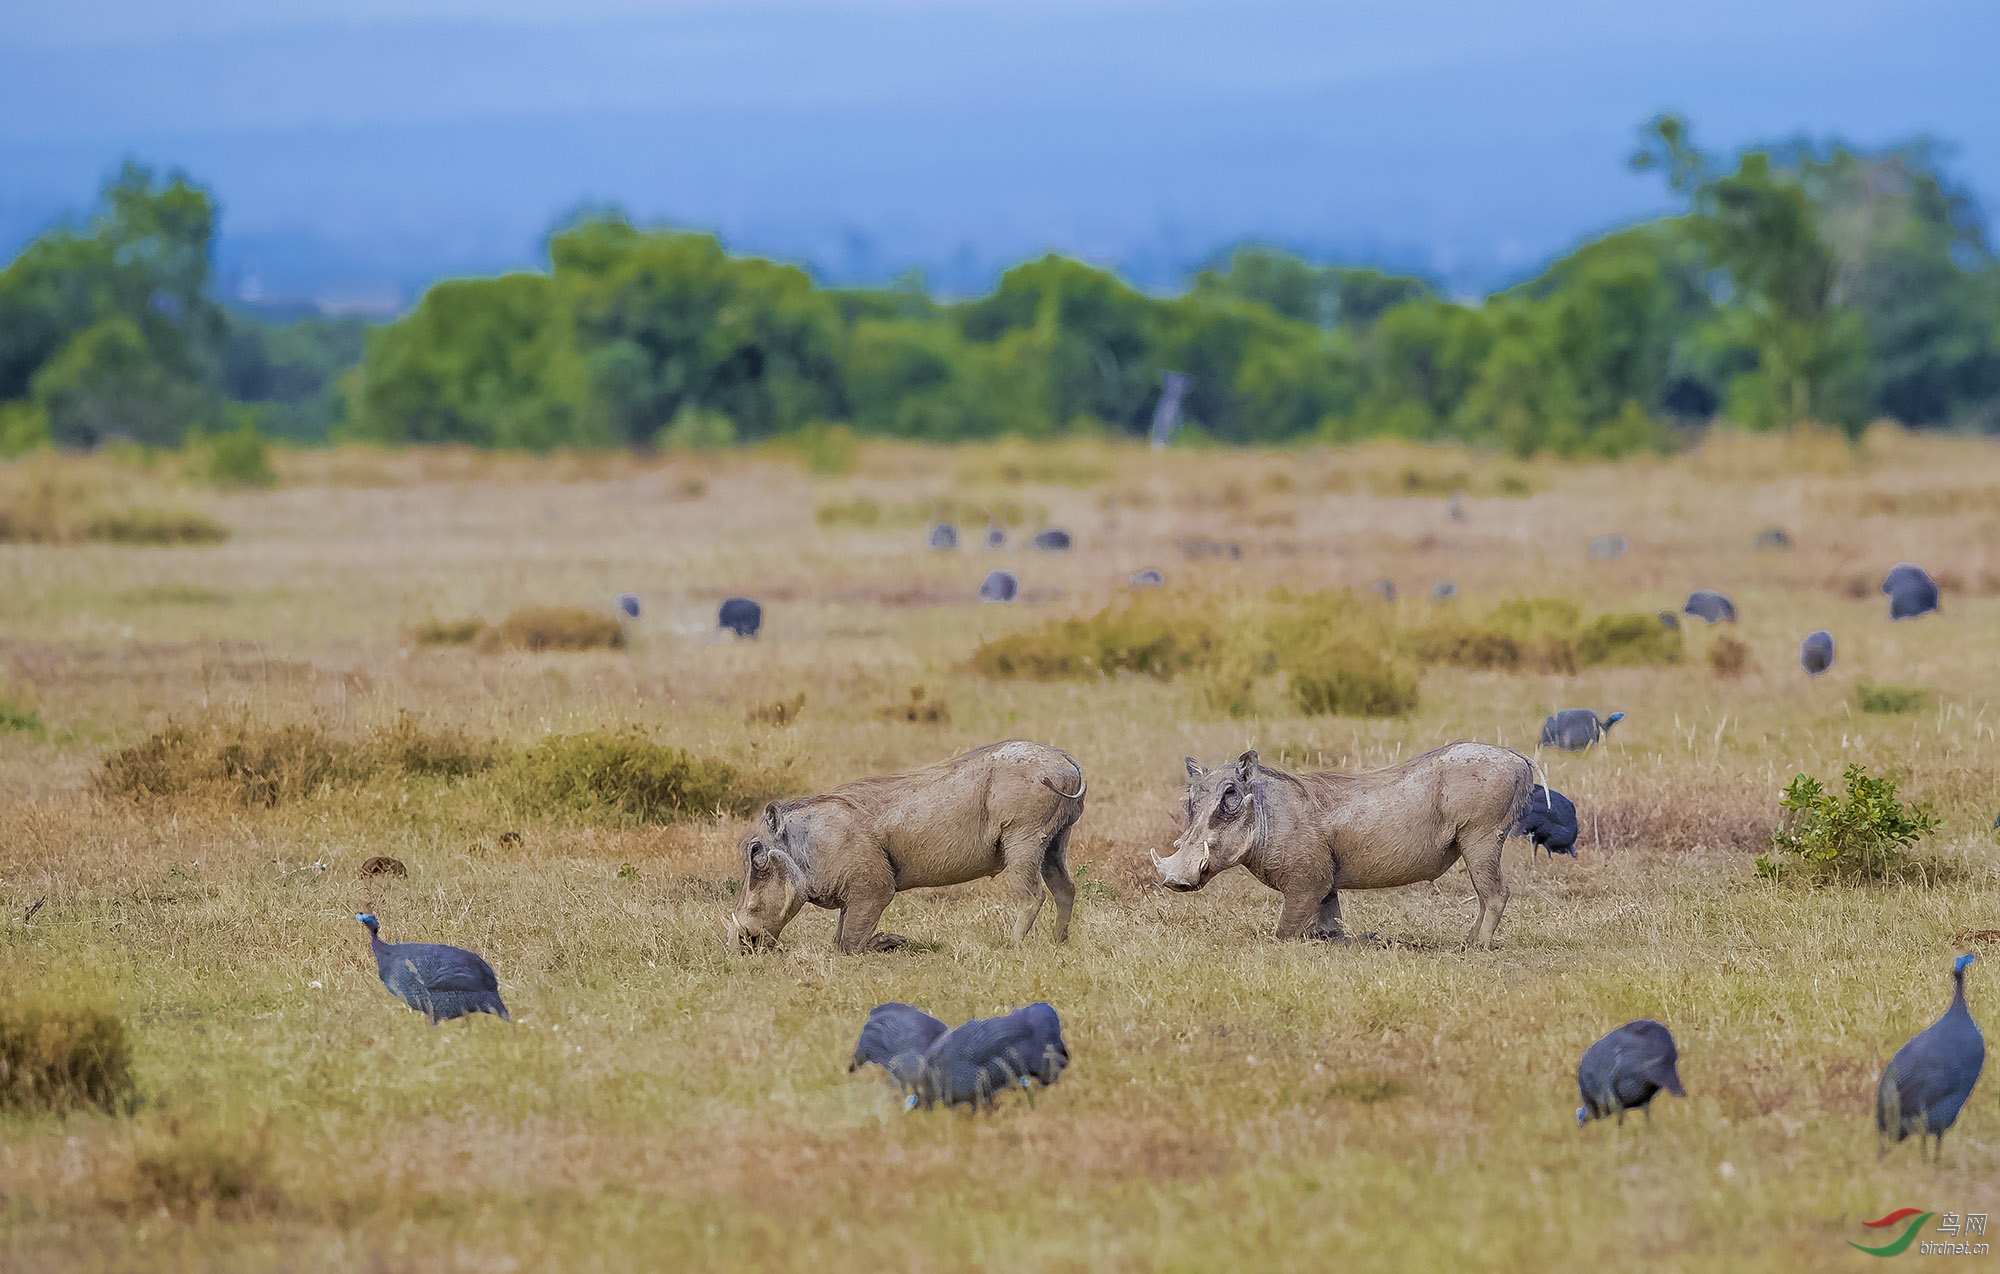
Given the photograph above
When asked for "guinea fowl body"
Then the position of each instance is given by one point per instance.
(439, 981)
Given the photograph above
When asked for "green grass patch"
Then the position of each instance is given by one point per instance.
(18, 718)
(1544, 634)
(1878, 699)
(62, 1058)
(1142, 635)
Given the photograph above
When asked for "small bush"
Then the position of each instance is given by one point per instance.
(560, 628)
(1728, 656)
(156, 526)
(1864, 836)
(630, 775)
(63, 1059)
(274, 765)
(448, 632)
(406, 749)
(1881, 700)
(239, 458)
(1140, 635)
(1628, 641)
(780, 712)
(825, 450)
(1369, 1089)
(203, 1174)
(694, 429)
(1352, 682)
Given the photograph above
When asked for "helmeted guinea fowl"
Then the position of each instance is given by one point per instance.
(1574, 729)
(968, 1065)
(1627, 1069)
(1927, 1082)
(1816, 652)
(438, 981)
(1709, 606)
(894, 1037)
(1911, 591)
(1549, 820)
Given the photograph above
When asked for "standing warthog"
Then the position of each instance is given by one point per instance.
(1007, 807)
(1309, 836)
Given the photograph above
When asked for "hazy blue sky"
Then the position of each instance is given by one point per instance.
(373, 144)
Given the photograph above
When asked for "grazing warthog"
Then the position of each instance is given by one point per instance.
(1007, 807)
(1309, 836)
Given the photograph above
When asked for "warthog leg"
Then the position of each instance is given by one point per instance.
(859, 915)
(1022, 850)
(1328, 927)
(1055, 874)
(1483, 865)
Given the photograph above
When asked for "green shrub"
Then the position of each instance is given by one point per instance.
(156, 526)
(560, 628)
(1628, 641)
(825, 450)
(239, 458)
(1864, 836)
(1880, 700)
(63, 1059)
(629, 775)
(695, 429)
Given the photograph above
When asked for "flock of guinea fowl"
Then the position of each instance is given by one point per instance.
(1921, 1091)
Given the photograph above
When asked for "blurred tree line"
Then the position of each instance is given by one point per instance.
(1797, 282)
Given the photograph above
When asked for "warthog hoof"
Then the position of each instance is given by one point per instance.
(886, 942)
(1344, 938)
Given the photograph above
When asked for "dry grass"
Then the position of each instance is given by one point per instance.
(1233, 1102)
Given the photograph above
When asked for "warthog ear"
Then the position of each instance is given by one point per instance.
(1246, 766)
(771, 818)
(1194, 769)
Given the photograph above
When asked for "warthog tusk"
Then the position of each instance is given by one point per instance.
(1159, 864)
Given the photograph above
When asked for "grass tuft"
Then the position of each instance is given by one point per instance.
(1880, 699)
(560, 628)
(156, 527)
(1729, 657)
(64, 1059)
(203, 1174)
(627, 776)
(448, 632)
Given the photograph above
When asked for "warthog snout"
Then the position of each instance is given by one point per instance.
(1176, 873)
(747, 936)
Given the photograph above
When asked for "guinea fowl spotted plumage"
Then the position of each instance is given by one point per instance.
(1574, 729)
(1927, 1082)
(1627, 1069)
(967, 1065)
(438, 981)
(1709, 606)
(1816, 652)
(1549, 820)
(894, 1037)
(1911, 591)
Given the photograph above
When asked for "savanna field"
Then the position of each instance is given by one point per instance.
(219, 704)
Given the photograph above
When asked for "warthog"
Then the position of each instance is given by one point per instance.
(1309, 836)
(1007, 807)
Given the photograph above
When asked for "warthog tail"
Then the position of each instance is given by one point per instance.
(1081, 784)
(1081, 781)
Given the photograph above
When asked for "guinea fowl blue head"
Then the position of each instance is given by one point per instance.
(374, 925)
